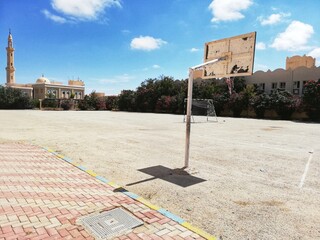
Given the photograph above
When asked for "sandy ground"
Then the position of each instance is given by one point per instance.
(248, 179)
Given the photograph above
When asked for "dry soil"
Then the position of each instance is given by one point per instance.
(248, 179)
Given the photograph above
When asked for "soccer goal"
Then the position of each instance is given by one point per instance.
(201, 107)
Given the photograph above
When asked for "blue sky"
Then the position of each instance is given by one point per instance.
(116, 44)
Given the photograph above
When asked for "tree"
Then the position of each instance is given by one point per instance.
(311, 99)
(283, 103)
(11, 98)
(237, 102)
(111, 102)
(92, 102)
(239, 84)
(127, 100)
(260, 103)
(219, 101)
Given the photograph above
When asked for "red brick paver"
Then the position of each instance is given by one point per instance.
(42, 197)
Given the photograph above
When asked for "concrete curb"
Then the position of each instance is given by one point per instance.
(134, 196)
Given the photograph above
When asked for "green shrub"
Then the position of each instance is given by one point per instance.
(11, 98)
(311, 99)
(50, 103)
(112, 102)
(67, 104)
(260, 103)
(237, 103)
(219, 101)
(283, 103)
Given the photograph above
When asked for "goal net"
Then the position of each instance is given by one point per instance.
(201, 107)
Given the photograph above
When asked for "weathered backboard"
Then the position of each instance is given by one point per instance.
(236, 56)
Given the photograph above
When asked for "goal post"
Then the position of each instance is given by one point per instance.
(201, 107)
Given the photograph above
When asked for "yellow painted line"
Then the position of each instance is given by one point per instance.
(50, 150)
(60, 156)
(92, 173)
(112, 184)
(147, 203)
(198, 231)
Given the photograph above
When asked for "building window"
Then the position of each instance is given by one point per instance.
(261, 86)
(296, 85)
(282, 85)
(295, 91)
(274, 85)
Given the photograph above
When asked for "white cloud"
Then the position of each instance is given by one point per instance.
(228, 10)
(147, 43)
(156, 66)
(82, 10)
(316, 54)
(273, 18)
(194, 49)
(53, 17)
(294, 38)
(261, 46)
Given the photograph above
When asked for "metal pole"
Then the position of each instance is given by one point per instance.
(188, 122)
(189, 106)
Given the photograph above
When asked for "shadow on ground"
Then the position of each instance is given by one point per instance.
(176, 176)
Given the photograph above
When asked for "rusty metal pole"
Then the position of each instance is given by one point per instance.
(188, 122)
(189, 107)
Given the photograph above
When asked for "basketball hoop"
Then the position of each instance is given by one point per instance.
(224, 58)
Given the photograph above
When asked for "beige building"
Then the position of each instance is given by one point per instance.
(43, 87)
(299, 70)
(299, 61)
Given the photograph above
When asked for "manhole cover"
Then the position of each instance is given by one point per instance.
(110, 223)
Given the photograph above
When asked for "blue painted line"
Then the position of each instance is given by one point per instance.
(171, 216)
(82, 168)
(130, 194)
(102, 179)
(69, 160)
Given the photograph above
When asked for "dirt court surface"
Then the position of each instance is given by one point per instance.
(248, 179)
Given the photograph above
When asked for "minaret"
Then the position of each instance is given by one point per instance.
(10, 61)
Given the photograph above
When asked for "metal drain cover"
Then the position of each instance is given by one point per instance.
(110, 223)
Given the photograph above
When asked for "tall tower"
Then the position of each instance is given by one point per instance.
(10, 61)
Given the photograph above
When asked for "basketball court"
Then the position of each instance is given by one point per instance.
(256, 179)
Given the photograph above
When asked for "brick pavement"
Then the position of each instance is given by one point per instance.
(42, 196)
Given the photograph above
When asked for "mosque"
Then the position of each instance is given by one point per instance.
(43, 87)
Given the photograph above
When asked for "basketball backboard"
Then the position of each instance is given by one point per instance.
(235, 54)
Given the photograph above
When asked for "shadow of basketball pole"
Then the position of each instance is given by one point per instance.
(176, 176)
